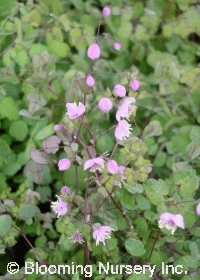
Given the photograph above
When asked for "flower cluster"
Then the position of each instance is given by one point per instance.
(96, 163)
(100, 233)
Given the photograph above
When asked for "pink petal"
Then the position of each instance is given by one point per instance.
(88, 164)
(74, 110)
(122, 130)
(113, 167)
(165, 217)
(178, 220)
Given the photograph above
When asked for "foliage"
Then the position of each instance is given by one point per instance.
(44, 65)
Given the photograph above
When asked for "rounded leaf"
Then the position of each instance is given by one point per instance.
(8, 108)
(134, 247)
(18, 130)
(5, 224)
(51, 144)
(39, 157)
(28, 211)
(4, 150)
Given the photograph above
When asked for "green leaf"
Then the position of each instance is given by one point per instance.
(121, 223)
(22, 59)
(134, 247)
(141, 227)
(157, 258)
(18, 130)
(145, 276)
(186, 180)
(156, 190)
(8, 75)
(195, 133)
(127, 200)
(160, 159)
(137, 188)
(143, 202)
(154, 128)
(41, 241)
(36, 48)
(32, 276)
(5, 7)
(141, 33)
(5, 224)
(194, 250)
(40, 60)
(193, 149)
(4, 150)
(59, 48)
(28, 211)
(8, 109)
(75, 277)
(157, 56)
(45, 132)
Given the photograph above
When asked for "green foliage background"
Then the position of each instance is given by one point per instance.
(42, 65)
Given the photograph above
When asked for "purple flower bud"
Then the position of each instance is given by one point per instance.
(117, 46)
(106, 11)
(93, 51)
(135, 85)
(90, 81)
(120, 90)
(64, 164)
(105, 105)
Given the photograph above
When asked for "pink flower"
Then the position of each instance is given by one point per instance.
(106, 11)
(171, 221)
(135, 85)
(198, 209)
(77, 237)
(114, 168)
(94, 164)
(93, 51)
(105, 105)
(120, 90)
(60, 207)
(126, 109)
(74, 110)
(64, 164)
(117, 46)
(65, 190)
(90, 81)
(101, 233)
(122, 130)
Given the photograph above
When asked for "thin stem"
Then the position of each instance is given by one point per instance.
(29, 243)
(115, 147)
(156, 238)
